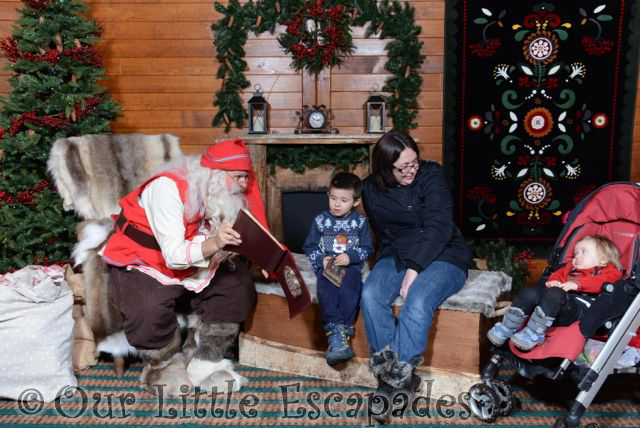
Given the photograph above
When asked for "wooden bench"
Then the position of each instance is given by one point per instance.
(457, 340)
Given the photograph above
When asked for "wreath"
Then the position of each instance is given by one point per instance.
(318, 36)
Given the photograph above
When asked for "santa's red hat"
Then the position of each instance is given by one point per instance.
(233, 155)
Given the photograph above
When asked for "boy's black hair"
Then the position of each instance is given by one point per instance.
(349, 181)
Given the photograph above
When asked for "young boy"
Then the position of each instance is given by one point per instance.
(344, 233)
(596, 260)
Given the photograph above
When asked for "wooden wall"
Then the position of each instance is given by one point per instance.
(159, 60)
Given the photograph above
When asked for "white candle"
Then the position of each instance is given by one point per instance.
(375, 124)
(258, 123)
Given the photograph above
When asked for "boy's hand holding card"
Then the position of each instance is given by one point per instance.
(334, 273)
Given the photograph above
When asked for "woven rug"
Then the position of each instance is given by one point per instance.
(278, 399)
(539, 105)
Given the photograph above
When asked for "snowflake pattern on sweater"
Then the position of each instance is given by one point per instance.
(330, 235)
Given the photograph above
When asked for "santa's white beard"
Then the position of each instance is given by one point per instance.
(223, 204)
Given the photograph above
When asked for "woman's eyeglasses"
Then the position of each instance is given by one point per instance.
(406, 169)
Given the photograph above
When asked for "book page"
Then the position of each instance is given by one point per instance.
(255, 220)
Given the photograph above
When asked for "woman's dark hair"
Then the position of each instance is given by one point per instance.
(386, 151)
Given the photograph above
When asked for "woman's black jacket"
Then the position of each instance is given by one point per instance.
(414, 223)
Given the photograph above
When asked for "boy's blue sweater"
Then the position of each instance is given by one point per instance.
(330, 235)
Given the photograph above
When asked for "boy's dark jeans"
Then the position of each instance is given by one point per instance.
(340, 304)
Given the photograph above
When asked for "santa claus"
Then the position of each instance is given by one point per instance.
(165, 253)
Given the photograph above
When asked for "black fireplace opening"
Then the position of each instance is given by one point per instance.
(298, 211)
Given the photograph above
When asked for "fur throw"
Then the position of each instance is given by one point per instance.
(93, 172)
(479, 293)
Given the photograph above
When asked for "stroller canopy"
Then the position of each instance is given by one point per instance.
(613, 210)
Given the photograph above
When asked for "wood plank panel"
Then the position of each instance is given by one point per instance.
(375, 65)
(431, 46)
(355, 100)
(178, 84)
(323, 88)
(156, 30)
(260, 65)
(355, 117)
(141, 12)
(357, 82)
(198, 101)
(189, 66)
(189, 118)
(8, 10)
(194, 30)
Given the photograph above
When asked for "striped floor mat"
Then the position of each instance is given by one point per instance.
(279, 399)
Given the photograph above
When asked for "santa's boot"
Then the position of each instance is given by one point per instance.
(164, 371)
(533, 334)
(205, 348)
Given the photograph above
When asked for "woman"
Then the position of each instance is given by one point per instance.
(421, 256)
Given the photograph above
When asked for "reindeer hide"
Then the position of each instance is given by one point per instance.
(93, 172)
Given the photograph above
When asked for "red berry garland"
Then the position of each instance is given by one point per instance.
(86, 54)
(325, 44)
(53, 121)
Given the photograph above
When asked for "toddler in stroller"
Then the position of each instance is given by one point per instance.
(596, 261)
(611, 211)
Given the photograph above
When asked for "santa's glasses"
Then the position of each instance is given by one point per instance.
(239, 177)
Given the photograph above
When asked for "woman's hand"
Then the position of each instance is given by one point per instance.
(225, 236)
(550, 284)
(409, 276)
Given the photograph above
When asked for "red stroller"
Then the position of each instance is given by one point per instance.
(612, 210)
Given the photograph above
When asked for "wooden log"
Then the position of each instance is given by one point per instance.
(270, 355)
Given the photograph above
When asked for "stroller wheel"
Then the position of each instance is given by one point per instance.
(483, 402)
(506, 401)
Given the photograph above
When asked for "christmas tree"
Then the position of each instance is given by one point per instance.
(54, 94)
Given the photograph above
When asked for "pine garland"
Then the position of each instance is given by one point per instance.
(389, 18)
(298, 158)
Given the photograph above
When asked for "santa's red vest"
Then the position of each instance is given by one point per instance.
(121, 250)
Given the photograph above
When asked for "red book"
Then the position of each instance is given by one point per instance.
(262, 248)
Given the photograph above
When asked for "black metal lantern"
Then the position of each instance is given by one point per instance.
(258, 113)
(376, 114)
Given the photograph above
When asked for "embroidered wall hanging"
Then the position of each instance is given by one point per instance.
(539, 106)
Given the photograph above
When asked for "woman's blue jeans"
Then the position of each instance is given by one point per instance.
(407, 335)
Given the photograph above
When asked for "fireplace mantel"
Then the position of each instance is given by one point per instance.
(268, 139)
(272, 186)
